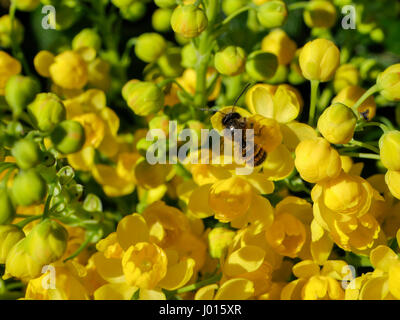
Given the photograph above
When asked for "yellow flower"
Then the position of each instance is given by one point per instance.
(8, 67)
(67, 283)
(6, 39)
(230, 198)
(69, 70)
(286, 235)
(316, 160)
(233, 289)
(9, 236)
(319, 60)
(346, 75)
(144, 265)
(337, 124)
(188, 81)
(389, 82)
(349, 96)
(282, 103)
(279, 43)
(389, 145)
(218, 241)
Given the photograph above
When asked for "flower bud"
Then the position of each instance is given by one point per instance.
(320, 14)
(189, 56)
(28, 188)
(319, 60)
(389, 83)
(230, 61)
(87, 38)
(7, 210)
(189, 21)
(5, 31)
(337, 124)
(47, 241)
(46, 111)
(165, 3)
(134, 11)
(9, 236)
(10, 67)
(272, 14)
(346, 75)
(122, 3)
(69, 70)
(218, 241)
(150, 46)
(261, 65)
(26, 153)
(145, 98)
(389, 145)
(170, 63)
(161, 20)
(279, 43)
(26, 5)
(68, 137)
(316, 160)
(19, 92)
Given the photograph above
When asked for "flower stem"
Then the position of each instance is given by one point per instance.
(25, 222)
(384, 127)
(364, 97)
(364, 145)
(361, 155)
(313, 102)
(200, 284)
(235, 14)
(81, 248)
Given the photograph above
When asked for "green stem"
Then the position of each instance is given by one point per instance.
(168, 81)
(200, 284)
(364, 145)
(235, 14)
(25, 222)
(298, 5)
(364, 97)
(81, 248)
(382, 126)
(46, 211)
(313, 102)
(361, 155)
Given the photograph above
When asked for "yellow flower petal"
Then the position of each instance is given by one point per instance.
(235, 289)
(178, 275)
(131, 230)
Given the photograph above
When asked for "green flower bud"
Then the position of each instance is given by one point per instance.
(230, 61)
(145, 98)
(320, 14)
(337, 124)
(150, 46)
(272, 14)
(9, 236)
(47, 241)
(19, 92)
(280, 75)
(20, 264)
(68, 137)
(134, 12)
(7, 210)
(261, 65)
(377, 35)
(161, 20)
(170, 63)
(46, 111)
(219, 240)
(230, 6)
(165, 3)
(189, 56)
(5, 31)
(28, 188)
(26, 5)
(87, 38)
(189, 21)
(26, 153)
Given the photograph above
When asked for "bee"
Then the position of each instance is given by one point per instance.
(235, 121)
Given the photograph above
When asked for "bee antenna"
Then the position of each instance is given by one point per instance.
(242, 93)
